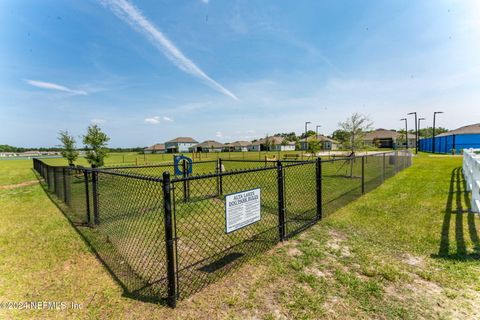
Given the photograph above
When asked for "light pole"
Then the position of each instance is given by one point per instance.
(433, 133)
(306, 141)
(416, 132)
(316, 131)
(406, 132)
(418, 127)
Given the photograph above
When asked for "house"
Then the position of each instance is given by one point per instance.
(274, 143)
(325, 142)
(238, 146)
(180, 144)
(30, 153)
(7, 154)
(156, 148)
(382, 138)
(207, 146)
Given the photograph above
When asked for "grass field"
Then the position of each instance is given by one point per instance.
(409, 249)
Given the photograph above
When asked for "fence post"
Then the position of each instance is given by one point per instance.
(55, 184)
(219, 177)
(87, 195)
(186, 184)
(396, 162)
(383, 168)
(281, 201)
(319, 188)
(169, 240)
(47, 169)
(363, 174)
(96, 214)
(65, 197)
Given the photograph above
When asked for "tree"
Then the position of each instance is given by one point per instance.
(428, 132)
(355, 127)
(314, 146)
(69, 151)
(268, 143)
(95, 142)
(340, 135)
(309, 133)
(290, 136)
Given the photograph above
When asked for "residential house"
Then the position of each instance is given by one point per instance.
(325, 142)
(7, 154)
(180, 144)
(30, 153)
(274, 143)
(207, 146)
(382, 138)
(156, 148)
(238, 146)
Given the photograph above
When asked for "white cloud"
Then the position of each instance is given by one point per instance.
(134, 17)
(97, 121)
(206, 1)
(218, 134)
(54, 86)
(153, 120)
(157, 119)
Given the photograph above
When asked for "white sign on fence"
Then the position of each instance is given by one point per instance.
(242, 209)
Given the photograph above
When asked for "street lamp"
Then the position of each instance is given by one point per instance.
(420, 119)
(406, 132)
(316, 131)
(433, 133)
(306, 142)
(416, 132)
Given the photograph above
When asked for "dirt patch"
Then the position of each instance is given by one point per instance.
(293, 252)
(336, 244)
(420, 292)
(318, 273)
(412, 260)
(18, 185)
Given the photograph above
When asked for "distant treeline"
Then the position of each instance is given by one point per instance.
(8, 148)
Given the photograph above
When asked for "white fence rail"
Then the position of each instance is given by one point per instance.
(471, 172)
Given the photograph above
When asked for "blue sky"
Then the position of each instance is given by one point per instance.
(148, 71)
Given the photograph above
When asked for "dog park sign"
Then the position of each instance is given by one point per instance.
(242, 209)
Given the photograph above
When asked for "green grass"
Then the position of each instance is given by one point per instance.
(408, 249)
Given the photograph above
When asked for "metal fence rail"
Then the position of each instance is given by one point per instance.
(164, 236)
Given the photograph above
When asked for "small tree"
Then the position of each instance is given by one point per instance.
(95, 142)
(268, 143)
(355, 128)
(69, 151)
(314, 146)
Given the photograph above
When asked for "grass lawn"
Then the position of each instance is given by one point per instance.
(408, 249)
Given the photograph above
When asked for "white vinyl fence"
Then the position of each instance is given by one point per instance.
(471, 171)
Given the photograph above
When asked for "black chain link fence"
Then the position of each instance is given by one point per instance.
(163, 236)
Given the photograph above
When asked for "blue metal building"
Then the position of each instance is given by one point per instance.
(462, 138)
